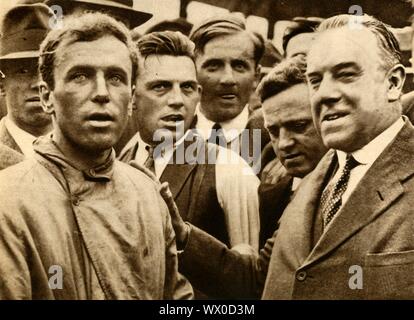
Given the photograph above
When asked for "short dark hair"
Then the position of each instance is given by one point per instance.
(172, 43)
(285, 75)
(298, 27)
(85, 27)
(389, 48)
(225, 25)
(179, 24)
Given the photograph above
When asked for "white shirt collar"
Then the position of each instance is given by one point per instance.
(295, 183)
(161, 161)
(23, 138)
(371, 151)
(231, 128)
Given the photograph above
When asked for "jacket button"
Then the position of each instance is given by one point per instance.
(75, 201)
(301, 276)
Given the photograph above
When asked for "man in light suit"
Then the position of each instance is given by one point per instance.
(349, 232)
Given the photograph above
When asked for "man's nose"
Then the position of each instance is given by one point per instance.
(327, 93)
(34, 82)
(175, 98)
(101, 94)
(286, 139)
(227, 78)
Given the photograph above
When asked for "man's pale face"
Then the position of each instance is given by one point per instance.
(92, 93)
(167, 93)
(295, 140)
(299, 45)
(228, 74)
(348, 88)
(21, 86)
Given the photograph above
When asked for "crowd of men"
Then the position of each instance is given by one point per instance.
(140, 166)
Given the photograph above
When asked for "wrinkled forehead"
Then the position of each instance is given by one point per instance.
(342, 45)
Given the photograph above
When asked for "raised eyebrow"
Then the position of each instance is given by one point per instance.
(210, 61)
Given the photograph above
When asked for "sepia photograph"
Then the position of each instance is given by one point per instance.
(223, 151)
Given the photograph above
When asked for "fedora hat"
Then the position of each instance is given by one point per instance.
(121, 8)
(23, 28)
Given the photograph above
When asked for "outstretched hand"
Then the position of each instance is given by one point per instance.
(180, 227)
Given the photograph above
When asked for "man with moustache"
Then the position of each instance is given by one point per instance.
(213, 187)
(23, 28)
(74, 212)
(228, 69)
(348, 232)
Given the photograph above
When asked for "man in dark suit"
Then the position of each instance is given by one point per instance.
(218, 196)
(212, 192)
(349, 231)
(23, 28)
(228, 69)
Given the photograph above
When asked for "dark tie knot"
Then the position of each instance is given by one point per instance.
(150, 150)
(217, 135)
(217, 126)
(350, 162)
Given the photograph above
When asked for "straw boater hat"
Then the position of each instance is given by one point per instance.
(122, 8)
(23, 29)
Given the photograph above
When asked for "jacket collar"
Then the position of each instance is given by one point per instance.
(377, 190)
(48, 149)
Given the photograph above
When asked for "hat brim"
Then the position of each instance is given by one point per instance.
(21, 55)
(135, 18)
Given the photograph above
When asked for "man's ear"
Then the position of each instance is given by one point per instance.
(396, 78)
(46, 97)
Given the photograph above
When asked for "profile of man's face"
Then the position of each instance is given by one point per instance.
(228, 74)
(21, 87)
(92, 92)
(349, 88)
(295, 140)
(167, 93)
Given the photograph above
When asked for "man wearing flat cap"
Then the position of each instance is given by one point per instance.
(22, 30)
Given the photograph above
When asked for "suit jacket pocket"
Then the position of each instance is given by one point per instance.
(389, 275)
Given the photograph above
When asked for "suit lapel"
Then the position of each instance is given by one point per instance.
(177, 174)
(6, 138)
(377, 190)
(299, 214)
